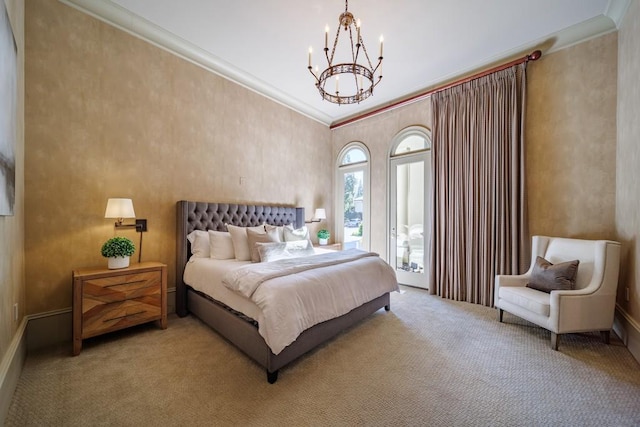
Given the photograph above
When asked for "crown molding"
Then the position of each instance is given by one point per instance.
(616, 9)
(119, 17)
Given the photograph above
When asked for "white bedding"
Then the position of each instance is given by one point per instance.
(286, 306)
(294, 297)
(205, 275)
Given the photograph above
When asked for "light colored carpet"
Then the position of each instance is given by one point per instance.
(427, 362)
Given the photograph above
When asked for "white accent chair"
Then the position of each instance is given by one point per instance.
(589, 307)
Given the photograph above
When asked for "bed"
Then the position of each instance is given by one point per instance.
(234, 325)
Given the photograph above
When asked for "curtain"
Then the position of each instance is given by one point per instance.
(479, 226)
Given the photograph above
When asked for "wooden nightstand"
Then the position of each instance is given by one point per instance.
(330, 247)
(108, 300)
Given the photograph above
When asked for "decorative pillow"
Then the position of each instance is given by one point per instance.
(260, 237)
(547, 277)
(275, 251)
(240, 241)
(221, 245)
(278, 228)
(199, 240)
(291, 235)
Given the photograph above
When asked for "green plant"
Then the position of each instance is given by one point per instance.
(358, 233)
(118, 247)
(323, 234)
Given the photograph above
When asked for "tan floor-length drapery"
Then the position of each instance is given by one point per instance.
(479, 226)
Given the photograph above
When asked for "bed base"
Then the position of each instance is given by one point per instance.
(245, 336)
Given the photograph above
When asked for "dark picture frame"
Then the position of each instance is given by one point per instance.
(8, 113)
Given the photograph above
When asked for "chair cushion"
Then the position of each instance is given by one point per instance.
(529, 299)
(547, 277)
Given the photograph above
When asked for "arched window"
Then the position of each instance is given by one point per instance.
(352, 196)
(411, 142)
(409, 197)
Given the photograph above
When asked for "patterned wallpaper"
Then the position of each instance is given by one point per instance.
(571, 141)
(109, 115)
(628, 158)
(12, 284)
(570, 138)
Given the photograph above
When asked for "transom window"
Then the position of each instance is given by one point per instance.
(411, 143)
(353, 155)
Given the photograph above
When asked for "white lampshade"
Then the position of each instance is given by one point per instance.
(320, 214)
(119, 208)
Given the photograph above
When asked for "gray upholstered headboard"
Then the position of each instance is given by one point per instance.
(214, 216)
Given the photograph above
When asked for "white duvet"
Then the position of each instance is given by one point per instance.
(295, 294)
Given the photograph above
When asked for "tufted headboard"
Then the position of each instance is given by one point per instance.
(214, 216)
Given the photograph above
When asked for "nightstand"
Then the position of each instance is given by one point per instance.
(109, 300)
(330, 247)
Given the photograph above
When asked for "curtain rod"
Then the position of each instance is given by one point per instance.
(535, 55)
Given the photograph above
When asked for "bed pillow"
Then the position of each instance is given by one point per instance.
(254, 237)
(221, 245)
(199, 240)
(278, 228)
(275, 251)
(547, 277)
(240, 241)
(291, 235)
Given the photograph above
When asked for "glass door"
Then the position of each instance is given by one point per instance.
(352, 197)
(408, 214)
(353, 217)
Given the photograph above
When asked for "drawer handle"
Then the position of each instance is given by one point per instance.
(122, 317)
(124, 283)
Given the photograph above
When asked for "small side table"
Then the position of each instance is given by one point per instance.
(109, 300)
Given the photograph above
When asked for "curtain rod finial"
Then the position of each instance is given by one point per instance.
(535, 55)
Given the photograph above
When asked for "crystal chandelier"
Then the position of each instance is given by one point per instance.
(358, 79)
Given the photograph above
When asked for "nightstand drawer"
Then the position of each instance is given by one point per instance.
(110, 317)
(106, 300)
(119, 288)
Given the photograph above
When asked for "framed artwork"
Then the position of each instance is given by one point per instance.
(8, 113)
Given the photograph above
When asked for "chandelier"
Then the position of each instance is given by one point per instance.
(358, 78)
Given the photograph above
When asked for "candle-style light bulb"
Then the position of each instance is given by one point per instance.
(337, 85)
(310, 52)
(381, 42)
(358, 27)
(326, 36)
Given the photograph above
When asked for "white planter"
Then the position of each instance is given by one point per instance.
(118, 262)
(323, 241)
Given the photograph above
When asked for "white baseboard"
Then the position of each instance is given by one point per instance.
(11, 368)
(628, 330)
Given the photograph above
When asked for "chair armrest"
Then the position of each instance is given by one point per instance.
(516, 280)
(581, 310)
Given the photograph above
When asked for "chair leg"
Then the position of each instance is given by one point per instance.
(500, 312)
(605, 335)
(555, 338)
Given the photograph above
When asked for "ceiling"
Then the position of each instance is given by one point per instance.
(263, 45)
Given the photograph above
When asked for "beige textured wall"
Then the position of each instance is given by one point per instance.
(109, 115)
(571, 140)
(12, 284)
(376, 133)
(628, 158)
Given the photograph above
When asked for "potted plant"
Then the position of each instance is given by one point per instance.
(323, 236)
(118, 250)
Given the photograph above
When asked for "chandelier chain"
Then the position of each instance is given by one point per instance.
(364, 76)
